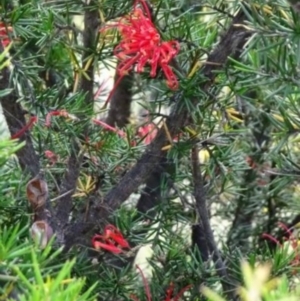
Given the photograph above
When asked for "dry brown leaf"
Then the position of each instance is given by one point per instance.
(37, 192)
(41, 233)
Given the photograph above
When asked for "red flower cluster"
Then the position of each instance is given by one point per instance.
(169, 295)
(51, 156)
(141, 44)
(4, 38)
(112, 240)
(147, 132)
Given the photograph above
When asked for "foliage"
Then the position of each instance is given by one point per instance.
(32, 274)
(128, 151)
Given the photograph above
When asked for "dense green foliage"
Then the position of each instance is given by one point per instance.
(236, 109)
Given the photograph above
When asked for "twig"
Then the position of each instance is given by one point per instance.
(201, 207)
(151, 194)
(91, 24)
(15, 118)
(27, 157)
(200, 242)
(64, 204)
(120, 101)
(246, 209)
(62, 195)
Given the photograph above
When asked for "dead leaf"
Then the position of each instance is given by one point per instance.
(41, 233)
(37, 192)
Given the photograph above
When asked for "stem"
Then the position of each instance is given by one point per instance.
(201, 207)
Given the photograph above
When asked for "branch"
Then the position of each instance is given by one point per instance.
(91, 24)
(151, 194)
(27, 157)
(64, 205)
(68, 186)
(241, 228)
(231, 44)
(199, 240)
(201, 207)
(15, 118)
(120, 101)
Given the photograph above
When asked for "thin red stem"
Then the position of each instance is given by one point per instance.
(100, 89)
(272, 238)
(182, 291)
(291, 238)
(284, 227)
(112, 91)
(109, 128)
(33, 119)
(147, 289)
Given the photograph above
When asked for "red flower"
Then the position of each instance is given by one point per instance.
(109, 128)
(169, 292)
(62, 113)
(112, 240)
(147, 132)
(141, 44)
(52, 157)
(179, 295)
(4, 38)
